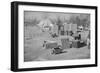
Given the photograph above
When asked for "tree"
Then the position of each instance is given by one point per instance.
(82, 20)
(31, 22)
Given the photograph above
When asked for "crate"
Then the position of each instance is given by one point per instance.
(65, 43)
(75, 44)
(51, 45)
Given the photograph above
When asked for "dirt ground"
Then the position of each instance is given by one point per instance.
(34, 51)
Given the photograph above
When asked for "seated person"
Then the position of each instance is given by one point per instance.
(54, 35)
(77, 36)
(71, 33)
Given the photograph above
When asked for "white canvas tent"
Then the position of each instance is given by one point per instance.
(45, 25)
(70, 27)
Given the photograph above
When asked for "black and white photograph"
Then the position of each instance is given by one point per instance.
(56, 36)
(53, 36)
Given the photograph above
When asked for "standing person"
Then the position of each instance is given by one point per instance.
(88, 43)
(79, 37)
(44, 44)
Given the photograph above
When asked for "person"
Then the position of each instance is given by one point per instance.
(71, 33)
(88, 43)
(54, 35)
(75, 35)
(79, 37)
(44, 44)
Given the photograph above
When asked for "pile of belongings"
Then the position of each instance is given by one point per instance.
(50, 44)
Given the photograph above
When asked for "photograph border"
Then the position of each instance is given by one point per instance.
(14, 35)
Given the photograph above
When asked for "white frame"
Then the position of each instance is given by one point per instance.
(22, 64)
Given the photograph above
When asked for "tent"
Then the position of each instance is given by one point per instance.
(45, 25)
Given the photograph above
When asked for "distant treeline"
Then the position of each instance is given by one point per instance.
(83, 20)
